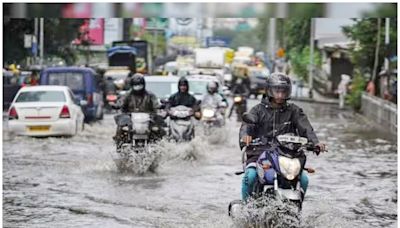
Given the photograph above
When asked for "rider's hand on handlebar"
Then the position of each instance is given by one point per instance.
(197, 115)
(247, 139)
(321, 147)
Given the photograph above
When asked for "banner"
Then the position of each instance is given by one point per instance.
(96, 31)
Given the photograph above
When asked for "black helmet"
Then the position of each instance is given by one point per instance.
(138, 84)
(212, 87)
(183, 81)
(279, 82)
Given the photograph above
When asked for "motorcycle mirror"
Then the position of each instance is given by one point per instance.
(198, 102)
(249, 118)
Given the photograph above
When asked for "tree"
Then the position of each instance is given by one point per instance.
(13, 39)
(364, 33)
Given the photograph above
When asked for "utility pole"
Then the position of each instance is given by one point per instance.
(387, 40)
(311, 68)
(36, 31)
(271, 38)
(41, 39)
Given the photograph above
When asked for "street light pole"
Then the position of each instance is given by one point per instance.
(36, 30)
(311, 68)
(41, 39)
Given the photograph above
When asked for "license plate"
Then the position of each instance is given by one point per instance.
(38, 128)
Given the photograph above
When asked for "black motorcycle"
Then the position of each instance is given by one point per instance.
(136, 132)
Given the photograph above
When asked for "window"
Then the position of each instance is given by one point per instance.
(41, 96)
(73, 80)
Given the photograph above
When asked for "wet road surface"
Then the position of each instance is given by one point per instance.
(73, 182)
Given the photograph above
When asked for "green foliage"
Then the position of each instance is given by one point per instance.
(58, 35)
(383, 10)
(300, 60)
(364, 33)
(13, 39)
(357, 87)
(158, 40)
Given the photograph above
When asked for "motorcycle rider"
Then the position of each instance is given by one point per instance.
(273, 113)
(240, 88)
(141, 100)
(214, 99)
(182, 97)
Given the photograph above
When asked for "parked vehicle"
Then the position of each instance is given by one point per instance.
(83, 82)
(45, 111)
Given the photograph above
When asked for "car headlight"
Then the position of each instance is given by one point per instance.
(237, 99)
(290, 168)
(208, 113)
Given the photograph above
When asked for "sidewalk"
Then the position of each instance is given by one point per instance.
(302, 95)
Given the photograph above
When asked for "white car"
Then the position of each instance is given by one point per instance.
(45, 111)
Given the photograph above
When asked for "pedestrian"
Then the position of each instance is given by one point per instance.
(342, 89)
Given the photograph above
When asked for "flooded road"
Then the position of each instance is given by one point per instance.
(73, 182)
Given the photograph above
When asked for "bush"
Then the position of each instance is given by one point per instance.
(357, 87)
(300, 60)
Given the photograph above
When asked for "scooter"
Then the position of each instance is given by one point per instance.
(181, 123)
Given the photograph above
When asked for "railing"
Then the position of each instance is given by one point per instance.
(383, 112)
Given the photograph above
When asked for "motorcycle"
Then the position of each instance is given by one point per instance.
(133, 142)
(278, 168)
(240, 106)
(211, 117)
(181, 124)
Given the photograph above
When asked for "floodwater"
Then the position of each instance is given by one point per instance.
(73, 182)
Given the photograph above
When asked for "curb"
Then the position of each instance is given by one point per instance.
(310, 100)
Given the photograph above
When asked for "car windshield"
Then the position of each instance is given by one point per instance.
(71, 79)
(258, 73)
(41, 96)
(162, 89)
(199, 87)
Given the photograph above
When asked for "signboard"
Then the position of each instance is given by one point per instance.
(96, 31)
(27, 41)
(217, 42)
(112, 30)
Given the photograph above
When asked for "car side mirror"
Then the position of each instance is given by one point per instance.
(249, 118)
(83, 102)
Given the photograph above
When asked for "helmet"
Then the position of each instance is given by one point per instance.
(279, 82)
(183, 81)
(138, 84)
(212, 87)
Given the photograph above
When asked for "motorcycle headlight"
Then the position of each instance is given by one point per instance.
(154, 129)
(237, 99)
(208, 113)
(290, 167)
(125, 128)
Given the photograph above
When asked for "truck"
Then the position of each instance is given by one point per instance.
(209, 58)
(144, 58)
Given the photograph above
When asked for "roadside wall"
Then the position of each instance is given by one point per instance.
(382, 112)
